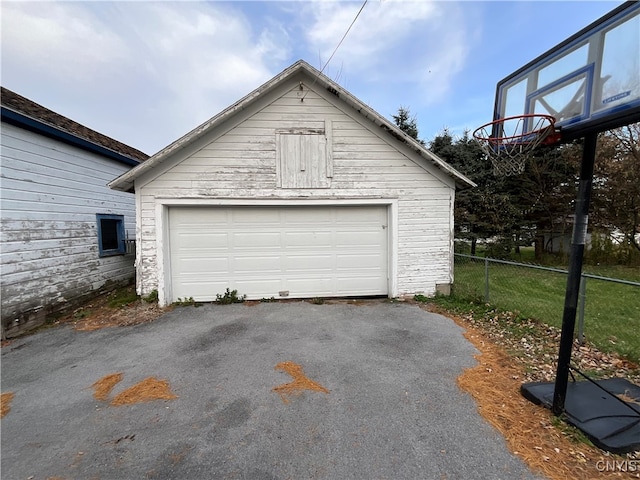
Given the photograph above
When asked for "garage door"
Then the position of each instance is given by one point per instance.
(266, 252)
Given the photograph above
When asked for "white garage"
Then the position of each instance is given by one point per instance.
(298, 190)
(265, 252)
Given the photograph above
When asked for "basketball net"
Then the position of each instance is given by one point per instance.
(509, 142)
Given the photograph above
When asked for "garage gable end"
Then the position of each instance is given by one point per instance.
(308, 80)
(283, 146)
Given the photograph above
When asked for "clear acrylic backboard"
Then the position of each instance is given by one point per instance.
(589, 83)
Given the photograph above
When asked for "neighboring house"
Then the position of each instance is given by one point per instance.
(297, 190)
(558, 238)
(63, 229)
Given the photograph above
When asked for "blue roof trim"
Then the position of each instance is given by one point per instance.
(28, 123)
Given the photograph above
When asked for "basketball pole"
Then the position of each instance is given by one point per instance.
(578, 240)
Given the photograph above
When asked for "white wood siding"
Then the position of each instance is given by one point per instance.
(50, 193)
(239, 162)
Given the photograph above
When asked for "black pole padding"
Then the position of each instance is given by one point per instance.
(575, 272)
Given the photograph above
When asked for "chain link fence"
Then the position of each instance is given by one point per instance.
(608, 308)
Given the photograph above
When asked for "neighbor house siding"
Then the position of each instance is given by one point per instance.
(50, 195)
(239, 162)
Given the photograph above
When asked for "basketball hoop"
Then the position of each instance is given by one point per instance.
(509, 141)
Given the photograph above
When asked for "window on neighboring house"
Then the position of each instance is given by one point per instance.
(110, 234)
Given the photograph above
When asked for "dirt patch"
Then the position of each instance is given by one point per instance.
(132, 314)
(5, 403)
(298, 385)
(120, 308)
(545, 443)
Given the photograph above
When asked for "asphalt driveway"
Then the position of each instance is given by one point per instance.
(393, 409)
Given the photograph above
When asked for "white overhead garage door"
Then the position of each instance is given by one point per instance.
(266, 252)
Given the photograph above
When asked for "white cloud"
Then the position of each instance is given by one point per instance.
(381, 25)
(166, 66)
(420, 43)
(148, 72)
(63, 40)
(273, 42)
(195, 47)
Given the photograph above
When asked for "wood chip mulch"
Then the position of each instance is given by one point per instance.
(506, 361)
(298, 385)
(147, 390)
(5, 403)
(102, 388)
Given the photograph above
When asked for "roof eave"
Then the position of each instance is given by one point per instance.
(28, 123)
(461, 180)
(126, 181)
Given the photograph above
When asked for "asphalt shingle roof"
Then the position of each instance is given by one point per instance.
(26, 107)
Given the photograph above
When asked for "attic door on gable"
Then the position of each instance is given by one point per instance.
(304, 158)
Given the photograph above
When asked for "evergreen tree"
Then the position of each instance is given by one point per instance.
(481, 212)
(516, 210)
(538, 205)
(407, 123)
(542, 197)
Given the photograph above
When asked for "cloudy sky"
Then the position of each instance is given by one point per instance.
(146, 73)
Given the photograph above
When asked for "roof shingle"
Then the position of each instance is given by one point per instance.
(28, 108)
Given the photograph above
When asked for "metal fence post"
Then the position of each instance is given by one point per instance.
(486, 280)
(581, 305)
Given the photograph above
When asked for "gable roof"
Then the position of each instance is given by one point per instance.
(125, 182)
(22, 112)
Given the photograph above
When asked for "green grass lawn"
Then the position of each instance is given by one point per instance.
(612, 310)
